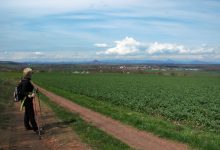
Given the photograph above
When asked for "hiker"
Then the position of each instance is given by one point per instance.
(27, 89)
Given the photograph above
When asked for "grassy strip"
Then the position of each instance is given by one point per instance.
(96, 138)
(7, 85)
(195, 138)
(6, 90)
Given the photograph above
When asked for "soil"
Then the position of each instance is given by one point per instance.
(131, 136)
(57, 135)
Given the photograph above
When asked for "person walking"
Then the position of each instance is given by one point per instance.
(27, 89)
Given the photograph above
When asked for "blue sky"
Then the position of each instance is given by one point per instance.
(67, 30)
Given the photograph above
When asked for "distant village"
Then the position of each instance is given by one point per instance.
(86, 68)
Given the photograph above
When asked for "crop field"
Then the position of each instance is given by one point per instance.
(193, 100)
(182, 108)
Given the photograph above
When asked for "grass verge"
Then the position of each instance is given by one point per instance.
(157, 125)
(6, 90)
(89, 134)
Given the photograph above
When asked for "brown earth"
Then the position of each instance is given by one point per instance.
(57, 134)
(131, 136)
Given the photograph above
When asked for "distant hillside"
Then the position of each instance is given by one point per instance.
(11, 66)
(9, 62)
(159, 62)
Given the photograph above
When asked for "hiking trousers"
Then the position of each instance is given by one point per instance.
(29, 116)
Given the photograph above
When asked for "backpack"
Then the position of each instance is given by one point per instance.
(18, 94)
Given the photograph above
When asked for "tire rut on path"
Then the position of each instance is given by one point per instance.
(131, 136)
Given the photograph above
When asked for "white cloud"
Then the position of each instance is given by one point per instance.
(126, 46)
(164, 48)
(156, 50)
(181, 50)
(38, 54)
(102, 45)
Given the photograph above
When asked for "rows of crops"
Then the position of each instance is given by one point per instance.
(194, 100)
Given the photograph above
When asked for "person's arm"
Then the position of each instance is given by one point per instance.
(31, 89)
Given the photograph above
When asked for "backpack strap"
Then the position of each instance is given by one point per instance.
(22, 105)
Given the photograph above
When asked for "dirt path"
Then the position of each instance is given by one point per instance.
(57, 134)
(129, 135)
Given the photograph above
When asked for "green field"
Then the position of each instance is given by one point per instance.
(183, 108)
(194, 100)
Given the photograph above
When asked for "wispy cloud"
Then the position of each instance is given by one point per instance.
(101, 45)
(48, 7)
(155, 29)
(38, 54)
(46, 56)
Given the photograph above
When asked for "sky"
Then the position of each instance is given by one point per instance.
(70, 30)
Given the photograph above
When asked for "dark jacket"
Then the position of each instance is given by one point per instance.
(27, 88)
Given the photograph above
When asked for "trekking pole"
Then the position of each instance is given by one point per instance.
(37, 118)
(40, 108)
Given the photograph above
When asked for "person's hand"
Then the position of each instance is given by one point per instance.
(31, 95)
(36, 90)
